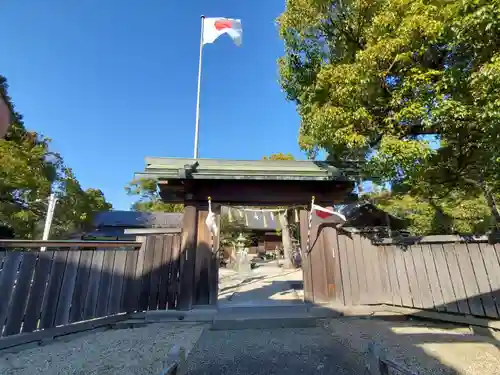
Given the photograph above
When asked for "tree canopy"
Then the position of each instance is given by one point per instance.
(279, 156)
(149, 199)
(407, 88)
(29, 172)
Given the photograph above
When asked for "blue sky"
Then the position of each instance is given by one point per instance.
(112, 82)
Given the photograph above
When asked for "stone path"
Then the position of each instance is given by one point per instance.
(272, 351)
(340, 346)
(266, 285)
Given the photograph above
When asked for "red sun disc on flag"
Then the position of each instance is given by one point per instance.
(322, 214)
(223, 24)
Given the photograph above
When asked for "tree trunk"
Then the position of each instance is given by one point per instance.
(492, 204)
(442, 223)
(286, 239)
(490, 199)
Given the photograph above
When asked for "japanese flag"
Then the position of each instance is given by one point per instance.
(215, 27)
(327, 214)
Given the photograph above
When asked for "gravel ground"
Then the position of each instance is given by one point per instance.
(424, 347)
(123, 351)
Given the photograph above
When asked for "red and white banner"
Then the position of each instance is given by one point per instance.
(327, 214)
(216, 26)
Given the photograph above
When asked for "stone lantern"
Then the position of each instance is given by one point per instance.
(242, 261)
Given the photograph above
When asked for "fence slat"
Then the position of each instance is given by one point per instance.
(129, 296)
(117, 282)
(337, 273)
(404, 285)
(384, 275)
(456, 280)
(155, 272)
(482, 280)
(372, 278)
(318, 265)
(449, 296)
(470, 283)
(20, 295)
(166, 265)
(393, 276)
(48, 316)
(492, 264)
(328, 237)
(7, 282)
(81, 287)
(362, 270)
(412, 278)
(430, 265)
(378, 267)
(344, 268)
(422, 277)
(174, 279)
(139, 274)
(68, 288)
(146, 273)
(353, 273)
(105, 283)
(90, 308)
(38, 290)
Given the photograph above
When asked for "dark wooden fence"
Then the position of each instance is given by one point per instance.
(452, 274)
(77, 281)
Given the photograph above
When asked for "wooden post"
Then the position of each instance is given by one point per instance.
(306, 263)
(203, 259)
(188, 255)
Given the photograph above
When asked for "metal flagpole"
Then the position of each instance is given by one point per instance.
(197, 125)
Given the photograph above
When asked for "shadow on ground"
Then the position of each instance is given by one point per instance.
(340, 345)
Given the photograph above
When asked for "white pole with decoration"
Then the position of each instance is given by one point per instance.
(309, 225)
(197, 123)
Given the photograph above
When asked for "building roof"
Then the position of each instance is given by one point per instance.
(210, 169)
(367, 215)
(248, 182)
(136, 219)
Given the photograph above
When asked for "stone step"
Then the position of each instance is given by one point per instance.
(269, 317)
(262, 322)
(264, 308)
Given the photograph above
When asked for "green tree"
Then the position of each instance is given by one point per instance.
(371, 78)
(455, 214)
(76, 207)
(279, 156)
(149, 197)
(29, 172)
(230, 230)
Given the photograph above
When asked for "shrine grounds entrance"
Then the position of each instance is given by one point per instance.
(254, 267)
(261, 183)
